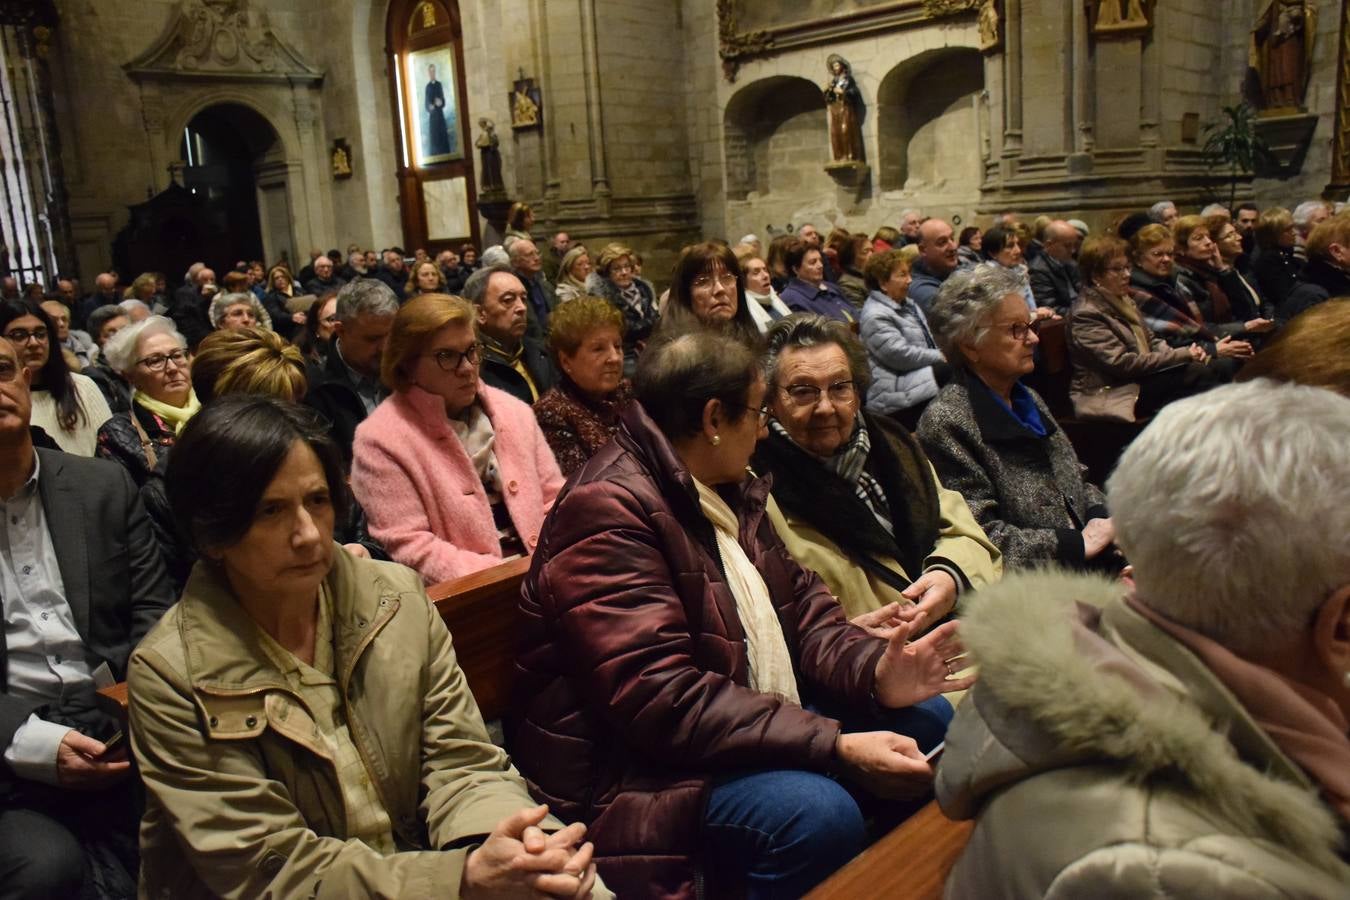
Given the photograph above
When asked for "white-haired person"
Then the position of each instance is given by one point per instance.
(153, 357)
(238, 310)
(1186, 737)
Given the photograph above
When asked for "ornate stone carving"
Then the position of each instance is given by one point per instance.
(938, 9)
(228, 38)
(991, 27)
(736, 47)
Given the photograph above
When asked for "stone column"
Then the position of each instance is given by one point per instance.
(152, 114)
(1081, 67)
(1012, 81)
(595, 114)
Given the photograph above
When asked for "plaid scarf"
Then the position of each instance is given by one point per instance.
(1174, 315)
(849, 462)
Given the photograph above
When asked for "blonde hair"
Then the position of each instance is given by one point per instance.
(248, 361)
(411, 287)
(610, 255)
(1309, 350)
(1335, 230)
(416, 322)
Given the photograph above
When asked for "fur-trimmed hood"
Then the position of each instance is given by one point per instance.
(1070, 676)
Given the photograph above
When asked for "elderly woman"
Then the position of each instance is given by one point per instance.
(854, 497)
(808, 291)
(904, 360)
(1274, 265)
(1213, 285)
(454, 475)
(992, 438)
(760, 297)
(573, 271)
(580, 413)
(280, 290)
(678, 670)
(1121, 369)
(153, 358)
(1001, 246)
(1171, 313)
(968, 246)
(1228, 661)
(424, 278)
(67, 406)
(707, 289)
(854, 252)
(273, 759)
(616, 279)
(1228, 240)
(238, 310)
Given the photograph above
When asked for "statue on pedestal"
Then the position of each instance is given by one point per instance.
(842, 100)
(1281, 52)
(490, 157)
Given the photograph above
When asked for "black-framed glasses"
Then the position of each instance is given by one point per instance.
(451, 360)
(1020, 330)
(156, 362)
(9, 370)
(805, 395)
(23, 335)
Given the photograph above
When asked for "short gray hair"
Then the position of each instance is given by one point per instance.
(1215, 209)
(1157, 210)
(1197, 497)
(103, 315)
(475, 287)
(495, 255)
(221, 302)
(365, 297)
(804, 329)
(965, 305)
(132, 305)
(1303, 213)
(121, 350)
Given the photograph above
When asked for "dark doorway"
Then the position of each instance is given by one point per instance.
(222, 147)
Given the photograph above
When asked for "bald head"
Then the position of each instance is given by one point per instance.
(1061, 241)
(937, 247)
(106, 284)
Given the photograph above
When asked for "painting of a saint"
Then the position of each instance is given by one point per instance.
(430, 96)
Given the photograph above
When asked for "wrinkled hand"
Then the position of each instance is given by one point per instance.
(934, 595)
(879, 623)
(886, 764)
(1197, 353)
(80, 766)
(1258, 326)
(299, 318)
(1098, 534)
(910, 672)
(519, 860)
(358, 550)
(1045, 312)
(1230, 348)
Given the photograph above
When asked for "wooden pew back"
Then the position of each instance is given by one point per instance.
(910, 863)
(482, 611)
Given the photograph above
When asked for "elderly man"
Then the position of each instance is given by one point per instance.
(1055, 281)
(355, 266)
(1164, 212)
(1183, 735)
(1327, 273)
(80, 345)
(937, 260)
(910, 220)
(105, 292)
(189, 310)
(394, 273)
(324, 280)
(1307, 216)
(448, 262)
(346, 387)
(540, 298)
(558, 246)
(306, 273)
(82, 582)
(512, 360)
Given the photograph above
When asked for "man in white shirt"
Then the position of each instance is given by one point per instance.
(81, 582)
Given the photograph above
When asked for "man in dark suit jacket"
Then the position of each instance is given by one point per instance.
(81, 581)
(1054, 278)
(511, 359)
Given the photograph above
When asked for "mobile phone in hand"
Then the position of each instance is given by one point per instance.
(933, 754)
(111, 745)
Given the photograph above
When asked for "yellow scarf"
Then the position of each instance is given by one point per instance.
(177, 416)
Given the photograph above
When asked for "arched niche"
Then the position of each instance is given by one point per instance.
(926, 120)
(775, 137)
(433, 133)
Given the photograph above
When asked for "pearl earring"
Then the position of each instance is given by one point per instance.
(715, 440)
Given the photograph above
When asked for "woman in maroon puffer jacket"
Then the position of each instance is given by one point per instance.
(675, 655)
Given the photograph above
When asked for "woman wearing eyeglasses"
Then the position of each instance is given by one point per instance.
(616, 279)
(992, 438)
(707, 288)
(67, 406)
(153, 357)
(854, 497)
(1122, 370)
(454, 475)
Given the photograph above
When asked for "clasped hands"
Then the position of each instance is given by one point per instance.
(519, 860)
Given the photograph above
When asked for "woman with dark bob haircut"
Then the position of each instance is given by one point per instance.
(707, 288)
(680, 677)
(273, 759)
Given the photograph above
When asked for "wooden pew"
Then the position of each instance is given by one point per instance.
(483, 614)
(910, 863)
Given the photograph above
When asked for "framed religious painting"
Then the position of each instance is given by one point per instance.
(432, 102)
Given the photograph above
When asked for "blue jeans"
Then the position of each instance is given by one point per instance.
(786, 830)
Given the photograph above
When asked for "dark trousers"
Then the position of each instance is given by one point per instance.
(1161, 388)
(69, 844)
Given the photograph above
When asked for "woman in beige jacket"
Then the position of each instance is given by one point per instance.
(1187, 739)
(299, 720)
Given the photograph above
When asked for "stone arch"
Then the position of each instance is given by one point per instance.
(774, 136)
(197, 102)
(922, 103)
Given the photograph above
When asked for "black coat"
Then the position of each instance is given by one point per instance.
(1054, 284)
(189, 315)
(499, 373)
(1277, 273)
(333, 395)
(397, 281)
(1321, 281)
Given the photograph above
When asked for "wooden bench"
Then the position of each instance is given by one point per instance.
(912, 862)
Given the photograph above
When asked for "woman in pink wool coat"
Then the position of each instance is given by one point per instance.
(455, 476)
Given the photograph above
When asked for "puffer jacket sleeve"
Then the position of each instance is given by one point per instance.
(887, 344)
(1153, 873)
(240, 831)
(1090, 333)
(623, 627)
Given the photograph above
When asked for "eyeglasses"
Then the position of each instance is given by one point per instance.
(706, 282)
(451, 360)
(23, 336)
(762, 409)
(1117, 270)
(620, 268)
(329, 319)
(1020, 330)
(157, 361)
(804, 395)
(8, 371)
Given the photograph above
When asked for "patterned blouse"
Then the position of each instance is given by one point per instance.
(576, 425)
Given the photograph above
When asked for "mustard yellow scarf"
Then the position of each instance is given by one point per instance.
(177, 416)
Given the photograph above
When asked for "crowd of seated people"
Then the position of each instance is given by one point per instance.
(757, 506)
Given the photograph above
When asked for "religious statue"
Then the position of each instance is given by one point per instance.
(842, 99)
(436, 138)
(490, 156)
(1281, 51)
(524, 111)
(342, 161)
(1120, 15)
(989, 25)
